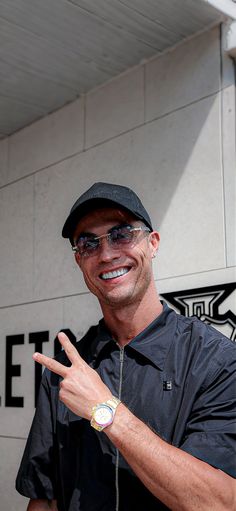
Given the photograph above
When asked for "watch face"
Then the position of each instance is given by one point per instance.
(103, 415)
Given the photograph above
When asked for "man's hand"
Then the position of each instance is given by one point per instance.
(42, 505)
(81, 387)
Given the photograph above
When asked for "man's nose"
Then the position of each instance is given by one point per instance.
(107, 250)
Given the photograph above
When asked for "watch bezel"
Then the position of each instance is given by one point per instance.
(97, 409)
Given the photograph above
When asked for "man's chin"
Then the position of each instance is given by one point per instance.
(117, 300)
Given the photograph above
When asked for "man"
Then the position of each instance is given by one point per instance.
(139, 414)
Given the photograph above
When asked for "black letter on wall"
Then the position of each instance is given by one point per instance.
(38, 338)
(12, 370)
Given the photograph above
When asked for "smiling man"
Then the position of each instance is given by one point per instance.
(140, 413)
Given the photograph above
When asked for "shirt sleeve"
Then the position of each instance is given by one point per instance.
(36, 476)
(211, 428)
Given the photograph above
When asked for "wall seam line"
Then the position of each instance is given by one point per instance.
(222, 143)
(85, 120)
(144, 94)
(13, 437)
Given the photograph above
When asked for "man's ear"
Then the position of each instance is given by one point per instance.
(154, 240)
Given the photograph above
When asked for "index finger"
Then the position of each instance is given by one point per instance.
(70, 349)
(51, 364)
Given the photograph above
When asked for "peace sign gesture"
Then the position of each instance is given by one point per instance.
(81, 387)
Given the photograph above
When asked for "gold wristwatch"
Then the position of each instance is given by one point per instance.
(103, 413)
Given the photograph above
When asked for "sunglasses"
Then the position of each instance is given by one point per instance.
(117, 237)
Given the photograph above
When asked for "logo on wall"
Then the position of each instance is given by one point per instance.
(212, 305)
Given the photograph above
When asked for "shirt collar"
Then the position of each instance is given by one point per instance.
(153, 342)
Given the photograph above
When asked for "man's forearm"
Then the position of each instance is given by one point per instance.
(180, 481)
(42, 505)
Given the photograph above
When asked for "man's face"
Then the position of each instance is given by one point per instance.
(117, 276)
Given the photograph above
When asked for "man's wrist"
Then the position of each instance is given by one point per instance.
(103, 413)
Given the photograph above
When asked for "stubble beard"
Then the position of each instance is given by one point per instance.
(131, 297)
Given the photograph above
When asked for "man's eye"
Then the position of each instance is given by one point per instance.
(90, 243)
(121, 234)
(84, 244)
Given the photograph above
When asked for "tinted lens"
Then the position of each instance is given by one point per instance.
(87, 245)
(121, 235)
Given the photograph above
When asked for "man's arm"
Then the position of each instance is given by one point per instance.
(42, 505)
(179, 480)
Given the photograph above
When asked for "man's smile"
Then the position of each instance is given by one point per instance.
(114, 274)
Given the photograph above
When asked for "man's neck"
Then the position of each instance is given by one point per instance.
(127, 322)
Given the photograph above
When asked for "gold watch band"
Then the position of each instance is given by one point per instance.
(113, 402)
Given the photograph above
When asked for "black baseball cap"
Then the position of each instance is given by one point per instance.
(101, 195)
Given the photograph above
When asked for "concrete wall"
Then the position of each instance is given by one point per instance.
(167, 129)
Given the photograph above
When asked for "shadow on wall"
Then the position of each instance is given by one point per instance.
(152, 160)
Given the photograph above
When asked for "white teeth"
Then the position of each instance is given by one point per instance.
(114, 274)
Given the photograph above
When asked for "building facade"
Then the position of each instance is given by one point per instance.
(166, 128)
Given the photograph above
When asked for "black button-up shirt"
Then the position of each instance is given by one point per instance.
(176, 376)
